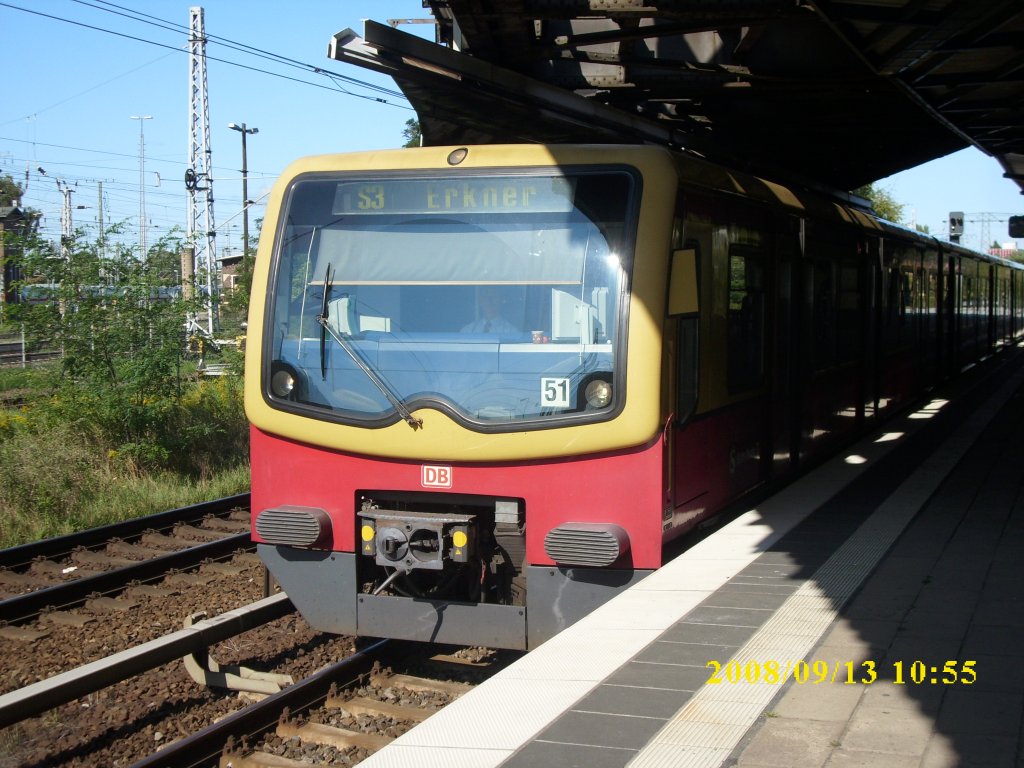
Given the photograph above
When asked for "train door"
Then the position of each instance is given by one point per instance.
(902, 354)
(831, 363)
(930, 317)
(969, 311)
(951, 303)
(720, 440)
(870, 287)
(749, 312)
(1015, 303)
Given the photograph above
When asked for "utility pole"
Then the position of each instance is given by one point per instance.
(66, 231)
(246, 202)
(66, 226)
(142, 184)
(103, 233)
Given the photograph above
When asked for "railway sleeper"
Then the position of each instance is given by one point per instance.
(15, 579)
(412, 683)
(331, 736)
(110, 604)
(150, 590)
(190, 579)
(91, 557)
(258, 760)
(364, 706)
(227, 525)
(59, 570)
(133, 550)
(23, 634)
(204, 534)
(165, 542)
(222, 569)
(67, 618)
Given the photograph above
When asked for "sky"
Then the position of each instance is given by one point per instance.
(76, 71)
(72, 87)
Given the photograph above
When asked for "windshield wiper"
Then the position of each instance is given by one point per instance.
(374, 377)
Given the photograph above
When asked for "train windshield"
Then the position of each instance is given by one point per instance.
(498, 299)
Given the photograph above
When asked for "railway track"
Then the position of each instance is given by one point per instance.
(340, 715)
(13, 353)
(336, 715)
(104, 683)
(64, 572)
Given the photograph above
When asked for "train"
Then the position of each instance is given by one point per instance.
(488, 386)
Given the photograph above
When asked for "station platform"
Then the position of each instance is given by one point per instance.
(870, 614)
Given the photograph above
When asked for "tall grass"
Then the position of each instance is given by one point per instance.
(65, 466)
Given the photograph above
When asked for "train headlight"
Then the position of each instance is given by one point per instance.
(282, 382)
(598, 393)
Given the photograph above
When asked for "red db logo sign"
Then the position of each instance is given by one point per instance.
(436, 477)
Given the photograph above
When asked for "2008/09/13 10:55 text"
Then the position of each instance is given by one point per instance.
(949, 672)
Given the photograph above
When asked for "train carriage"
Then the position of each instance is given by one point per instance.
(488, 384)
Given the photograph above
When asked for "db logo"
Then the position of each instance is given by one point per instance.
(436, 477)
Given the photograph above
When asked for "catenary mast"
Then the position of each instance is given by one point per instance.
(199, 175)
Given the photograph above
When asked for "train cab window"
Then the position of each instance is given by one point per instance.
(745, 319)
(497, 298)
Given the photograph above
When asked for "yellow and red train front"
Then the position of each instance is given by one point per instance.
(455, 385)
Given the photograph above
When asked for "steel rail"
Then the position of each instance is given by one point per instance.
(46, 694)
(63, 545)
(204, 747)
(69, 594)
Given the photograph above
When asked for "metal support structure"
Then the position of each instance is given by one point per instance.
(142, 184)
(66, 225)
(201, 233)
(206, 670)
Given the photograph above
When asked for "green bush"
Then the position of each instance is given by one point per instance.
(122, 409)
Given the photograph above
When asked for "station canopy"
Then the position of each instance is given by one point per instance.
(838, 92)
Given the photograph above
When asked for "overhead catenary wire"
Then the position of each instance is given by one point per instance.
(87, 90)
(314, 69)
(121, 193)
(241, 47)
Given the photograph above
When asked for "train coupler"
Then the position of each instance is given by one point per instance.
(414, 540)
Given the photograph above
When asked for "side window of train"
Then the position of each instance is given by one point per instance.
(683, 303)
(848, 310)
(745, 319)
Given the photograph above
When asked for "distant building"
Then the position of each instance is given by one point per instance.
(230, 264)
(1007, 251)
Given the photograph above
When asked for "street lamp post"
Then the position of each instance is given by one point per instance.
(142, 183)
(241, 128)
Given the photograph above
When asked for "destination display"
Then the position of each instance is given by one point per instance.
(486, 194)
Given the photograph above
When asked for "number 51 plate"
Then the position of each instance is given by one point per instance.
(554, 393)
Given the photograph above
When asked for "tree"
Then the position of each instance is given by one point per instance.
(882, 201)
(10, 191)
(238, 300)
(121, 335)
(412, 133)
